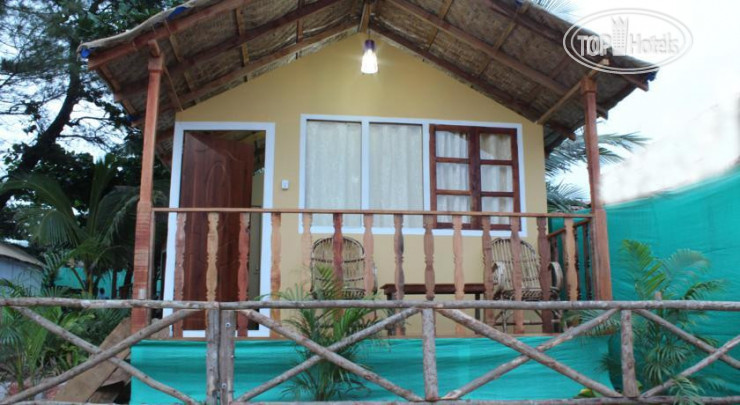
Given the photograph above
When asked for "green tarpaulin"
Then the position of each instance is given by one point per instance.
(182, 364)
(703, 217)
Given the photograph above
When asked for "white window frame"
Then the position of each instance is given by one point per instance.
(426, 188)
(266, 258)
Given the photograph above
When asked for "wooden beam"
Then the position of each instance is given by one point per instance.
(266, 60)
(299, 23)
(175, 45)
(367, 11)
(483, 46)
(443, 10)
(208, 54)
(600, 237)
(553, 36)
(566, 97)
(486, 88)
(142, 250)
(521, 9)
(241, 30)
(171, 27)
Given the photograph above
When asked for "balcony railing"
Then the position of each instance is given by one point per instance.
(220, 337)
(560, 246)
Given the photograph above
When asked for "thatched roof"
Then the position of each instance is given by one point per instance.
(509, 50)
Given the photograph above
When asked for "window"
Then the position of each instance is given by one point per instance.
(400, 164)
(474, 169)
(364, 164)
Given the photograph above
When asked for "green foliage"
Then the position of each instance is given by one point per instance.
(29, 353)
(98, 238)
(52, 106)
(325, 380)
(564, 197)
(660, 354)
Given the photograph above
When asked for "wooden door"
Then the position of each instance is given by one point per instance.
(216, 173)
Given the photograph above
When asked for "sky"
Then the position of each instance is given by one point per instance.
(691, 112)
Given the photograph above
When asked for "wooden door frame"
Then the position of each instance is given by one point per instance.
(267, 202)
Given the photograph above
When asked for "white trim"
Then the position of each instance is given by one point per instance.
(265, 262)
(425, 123)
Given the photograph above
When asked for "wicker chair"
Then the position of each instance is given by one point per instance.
(503, 265)
(353, 265)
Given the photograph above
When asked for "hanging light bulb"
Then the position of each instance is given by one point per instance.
(369, 59)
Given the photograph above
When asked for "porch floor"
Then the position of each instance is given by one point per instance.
(181, 364)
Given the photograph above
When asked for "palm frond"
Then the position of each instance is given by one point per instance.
(564, 197)
(572, 153)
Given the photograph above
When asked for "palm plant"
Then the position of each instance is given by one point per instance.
(29, 352)
(660, 354)
(92, 237)
(565, 197)
(325, 380)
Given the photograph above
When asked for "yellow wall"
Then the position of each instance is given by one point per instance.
(329, 82)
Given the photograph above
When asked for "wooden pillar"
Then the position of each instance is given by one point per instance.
(601, 266)
(140, 317)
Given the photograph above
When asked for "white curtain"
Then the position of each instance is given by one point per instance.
(334, 168)
(455, 176)
(396, 176)
(495, 146)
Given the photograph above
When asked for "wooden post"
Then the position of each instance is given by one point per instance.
(429, 355)
(517, 275)
(571, 272)
(369, 245)
(306, 246)
(142, 250)
(338, 251)
(543, 246)
(488, 314)
(243, 274)
(226, 356)
(600, 236)
(629, 381)
(275, 279)
(587, 266)
(458, 260)
(213, 339)
(429, 257)
(179, 265)
(399, 276)
(212, 256)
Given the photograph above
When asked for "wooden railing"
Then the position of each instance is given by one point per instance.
(544, 244)
(220, 339)
(571, 246)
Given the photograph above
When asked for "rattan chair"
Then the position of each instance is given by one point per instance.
(353, 265)
(503, 265)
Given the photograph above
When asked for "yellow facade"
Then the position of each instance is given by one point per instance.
(329, 82)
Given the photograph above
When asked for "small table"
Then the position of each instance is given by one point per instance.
(477, 289)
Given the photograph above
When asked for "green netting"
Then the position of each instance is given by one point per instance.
(703, 217)
(182, 364)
